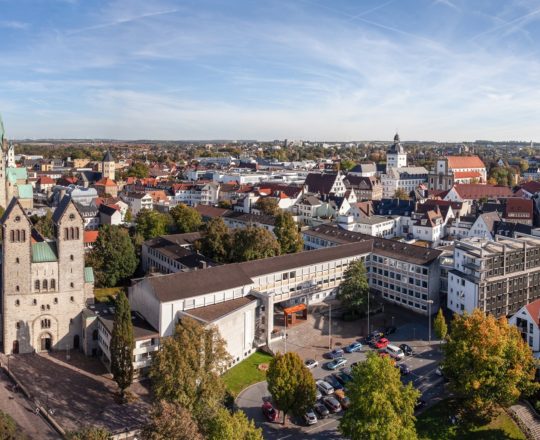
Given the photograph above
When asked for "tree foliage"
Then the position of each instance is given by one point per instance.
(113, 256)
(346, 164)
(253, 243)
(122, 344)
(236, 426)
(186, 370)
(268, 206)
(287, 234)
(151, 223)
(291, 384)
(216, 242)
(186, 219)
(354, 290)
(44, 225)
(401, 194)
(9, 429)
(91, 433)
(504, 175)
(381, 407)
(171, 421)
(440, 326)
(138, 169)
(487, 363)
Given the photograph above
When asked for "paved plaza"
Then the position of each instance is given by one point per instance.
(78, 392)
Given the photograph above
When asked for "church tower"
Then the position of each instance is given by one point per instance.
(3, 166)
(108, 167)
(396, 157)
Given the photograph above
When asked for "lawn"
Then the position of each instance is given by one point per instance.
(434, 424)
(246, 372)
(106, 294)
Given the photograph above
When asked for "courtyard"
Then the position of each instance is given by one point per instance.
(77, 391)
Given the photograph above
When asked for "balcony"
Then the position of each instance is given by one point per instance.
(145, 349)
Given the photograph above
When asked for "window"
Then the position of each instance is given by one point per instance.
(45, 323)
(17, 260)
(18, 325)
(36, 285)
(17, 288)
(55, 300)
(71, 285)
(71, 298)
(53, 284)
(17, 302)
(45, 285)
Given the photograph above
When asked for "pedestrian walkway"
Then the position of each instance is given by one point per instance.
(527, 419)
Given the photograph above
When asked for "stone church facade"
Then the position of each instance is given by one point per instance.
(43, 289)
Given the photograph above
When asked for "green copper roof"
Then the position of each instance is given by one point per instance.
(25, 191)
(13, 174)
(88, 275)
(44, 252)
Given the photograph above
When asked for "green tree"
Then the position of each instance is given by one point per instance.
(91, 433)
(171, 421)
(253, 243)
(216, 242)
(225, 204)
(113, 256)
(186, 219)
(291, 384)
(44, 225)
(236, 426)
(186, 370)
(267, 205)
(151, 223)
(122, 344)
(138, 169)
(346, 165)
(487, 363)
(381, 407)
(9, 430)
(401, 194)
(287, 234)
(128, 218)
(440, 326)
(354, 290)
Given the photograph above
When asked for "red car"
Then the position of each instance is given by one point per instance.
(269, 412)
(382, 343)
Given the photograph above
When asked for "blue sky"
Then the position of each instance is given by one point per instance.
(445, 70)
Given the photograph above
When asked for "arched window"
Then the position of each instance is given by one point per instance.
(18, 235)
(36, 285)
(12, 235)
(71, 233)
(45, 323)
(76, 233)
(66, 233)
(45, 284)
(23, 235)
(53, 284)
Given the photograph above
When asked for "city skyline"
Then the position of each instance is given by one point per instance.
(436, 70)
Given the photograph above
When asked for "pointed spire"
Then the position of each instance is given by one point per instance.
(2, 132)
(396, 137)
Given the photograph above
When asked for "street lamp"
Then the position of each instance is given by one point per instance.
(429, 302)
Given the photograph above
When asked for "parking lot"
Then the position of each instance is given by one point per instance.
(308, 340)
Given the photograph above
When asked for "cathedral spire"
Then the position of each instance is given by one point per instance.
(2, 132)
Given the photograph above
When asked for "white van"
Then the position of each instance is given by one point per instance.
(395, 352)
(325, 387)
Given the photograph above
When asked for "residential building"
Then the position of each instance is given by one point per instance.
(138, 201)
(325, 184)
(366, 188)
(527, 320)
(405, 178)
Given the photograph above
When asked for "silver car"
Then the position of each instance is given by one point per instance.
(310, 417)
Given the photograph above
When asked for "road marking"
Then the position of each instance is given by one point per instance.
(287, 436)
(322, 425)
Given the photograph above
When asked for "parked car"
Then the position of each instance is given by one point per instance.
(332, 404)
(269, 412)
(321, 410)
(336, 363)
(332, 380)
(342, 378)
(395, 352)
(390, 330)
(382, 343)
(310, 417)
(403, 369)
(311, 363)
(344, 401)
(318, 394)
(334, 354)
(355, 346)
(373, 337)
(325, 387)
(406, 349)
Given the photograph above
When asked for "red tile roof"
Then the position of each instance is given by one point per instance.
(476, 191)
(534, 310)
(90, 236)
(531, 187)
(467, 175)
(45, 180)
(515, 205)
(465, 162)
(106, 182)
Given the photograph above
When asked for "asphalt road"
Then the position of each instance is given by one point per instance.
(17, 406)
(423, 364)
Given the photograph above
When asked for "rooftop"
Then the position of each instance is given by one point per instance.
(211, 313)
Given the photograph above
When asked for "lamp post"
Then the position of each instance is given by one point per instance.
(429, 302)
(330, 328)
